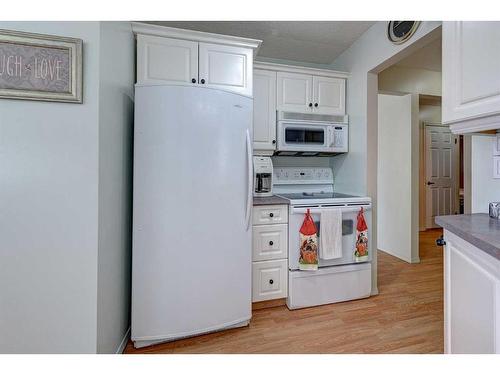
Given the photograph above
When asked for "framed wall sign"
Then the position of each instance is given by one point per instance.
(40, 67)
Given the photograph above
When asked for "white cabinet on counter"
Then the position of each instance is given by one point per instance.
(471, 76)
(269, 252)
(167, 55)
(471, 299)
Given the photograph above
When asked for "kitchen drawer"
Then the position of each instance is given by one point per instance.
(270, 242)
(270, 214)
(269, 280)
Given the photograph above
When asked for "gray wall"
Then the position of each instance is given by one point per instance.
(48, 212)
(116, 120)
(65, 172)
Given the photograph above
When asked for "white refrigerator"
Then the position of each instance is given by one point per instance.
(191, 249)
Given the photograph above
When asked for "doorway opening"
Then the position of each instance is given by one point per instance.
(419, 167)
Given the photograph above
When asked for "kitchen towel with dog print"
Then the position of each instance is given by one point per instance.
(308, 260)
(361, 251)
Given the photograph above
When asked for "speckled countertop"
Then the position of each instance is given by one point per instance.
(478, 229)
(262, 201)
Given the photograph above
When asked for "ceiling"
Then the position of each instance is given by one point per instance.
(302, 41)
(427, 57)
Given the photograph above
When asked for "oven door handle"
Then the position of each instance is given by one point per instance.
(344, 209)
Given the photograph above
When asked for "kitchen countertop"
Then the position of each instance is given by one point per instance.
(478, 229)
(262, 201)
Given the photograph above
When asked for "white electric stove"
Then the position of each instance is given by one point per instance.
(336, 280)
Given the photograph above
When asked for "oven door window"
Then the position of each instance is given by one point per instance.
(295, 135)
(347, 227)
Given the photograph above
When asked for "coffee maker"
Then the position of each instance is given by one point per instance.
(263, 176)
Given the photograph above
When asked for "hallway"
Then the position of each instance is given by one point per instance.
(406, 317)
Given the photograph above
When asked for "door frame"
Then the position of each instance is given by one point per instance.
(456, 181)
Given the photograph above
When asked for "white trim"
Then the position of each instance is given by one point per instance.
(124, 342)
(475, 124)
(198, 36)
(300, 69)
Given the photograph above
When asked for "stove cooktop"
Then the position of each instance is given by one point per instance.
(315, 196)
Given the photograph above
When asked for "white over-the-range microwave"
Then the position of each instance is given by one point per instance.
(311, 134)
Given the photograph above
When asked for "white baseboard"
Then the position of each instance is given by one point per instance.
(124, 342)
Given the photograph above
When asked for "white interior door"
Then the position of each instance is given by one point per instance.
(294, 92)
(441, 151)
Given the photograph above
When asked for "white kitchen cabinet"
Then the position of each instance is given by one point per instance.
(294, 92)
(310, 94)
(264, 111)
(269, 280)
(472, 298)
(269, 242)
(168, 55)
(272, 214)
(471, 76)
(165, 60)
(328, 95)
(226, 67)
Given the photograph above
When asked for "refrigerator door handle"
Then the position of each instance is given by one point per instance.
(250, 179)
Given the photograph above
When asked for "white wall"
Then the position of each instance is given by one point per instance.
(403, 79)
(484, 188)
(397, 192)
(366, 57)
(48, 212)
(116, 108)
(65, 204)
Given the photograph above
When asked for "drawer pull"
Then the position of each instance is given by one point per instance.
(271, 281)
(271, 215)
(271, 243)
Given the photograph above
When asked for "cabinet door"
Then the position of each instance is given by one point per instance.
(294, 92)
(329, 95)
(264, 110)
(163, 60)
(471, 72)
(269, 280)
(226, 67)
(471, 303)
(269, 242)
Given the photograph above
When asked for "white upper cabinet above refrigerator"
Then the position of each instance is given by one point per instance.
(471, 76)
(166, 60)
(226, 67)
(168, 55)
(306, 93)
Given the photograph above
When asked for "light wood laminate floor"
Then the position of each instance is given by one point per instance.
(406, 317)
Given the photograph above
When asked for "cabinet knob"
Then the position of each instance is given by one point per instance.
(193, 80)
(440, 241)
(271, 281)
(310, 104)
(274, 141)
(271, 215)
(271, 243)
(202, 81)
(315, 104)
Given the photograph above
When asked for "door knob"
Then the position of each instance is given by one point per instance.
(271, 214)
(310, 104)
(430, 183)
(274, 141)
(271, 243)
(315, 104)
(271, 281)
(193, 80)
(202, 81)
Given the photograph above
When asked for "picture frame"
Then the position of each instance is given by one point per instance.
(40, 67)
